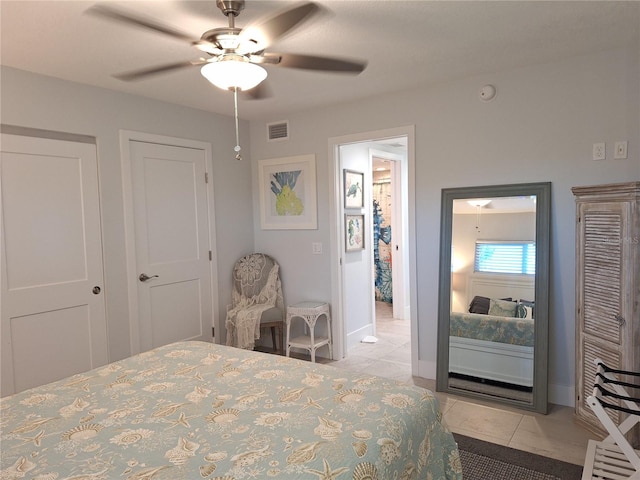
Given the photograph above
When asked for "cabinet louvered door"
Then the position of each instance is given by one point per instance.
(600, 226)
(607, 280)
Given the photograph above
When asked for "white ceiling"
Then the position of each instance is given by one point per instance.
(496, 205)
(407, 44)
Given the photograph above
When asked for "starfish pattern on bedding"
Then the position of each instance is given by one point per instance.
(328, 474)
(312, 403)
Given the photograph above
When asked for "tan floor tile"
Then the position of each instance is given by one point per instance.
(400, 354)
(552, 438)
(479, 435)
(425, 383)
(372, 350)
(396, 371)
(445, 402)
(353, 362)
(483, 420)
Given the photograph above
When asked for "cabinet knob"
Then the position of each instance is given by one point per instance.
(621, 320)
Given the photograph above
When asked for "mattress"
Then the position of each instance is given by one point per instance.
(510, 330)
(194, 410)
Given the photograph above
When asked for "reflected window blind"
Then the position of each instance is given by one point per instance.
(505, 257)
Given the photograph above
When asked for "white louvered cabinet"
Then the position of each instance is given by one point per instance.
(607, 288)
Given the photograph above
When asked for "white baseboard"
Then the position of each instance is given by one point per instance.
(562, 395)
(354, 337)
(426, 369)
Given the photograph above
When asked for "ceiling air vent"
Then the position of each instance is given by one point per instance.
(277, 131)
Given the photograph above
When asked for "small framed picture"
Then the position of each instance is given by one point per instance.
(353, 189)
(354, 232)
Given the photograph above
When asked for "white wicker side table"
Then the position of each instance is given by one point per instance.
(310, 312)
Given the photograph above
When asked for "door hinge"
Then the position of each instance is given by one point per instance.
(206, 177)
(210, 255)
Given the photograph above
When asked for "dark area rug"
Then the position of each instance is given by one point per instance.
(488, 461)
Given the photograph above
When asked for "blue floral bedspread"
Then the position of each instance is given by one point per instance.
(195, 410)
(514, 331)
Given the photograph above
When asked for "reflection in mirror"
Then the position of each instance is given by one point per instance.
(493, 293)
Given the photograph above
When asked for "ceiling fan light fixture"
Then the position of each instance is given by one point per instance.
(479, 202)
(233, 71)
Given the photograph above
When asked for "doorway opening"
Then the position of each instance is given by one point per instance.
(393, 333)
(373, 291)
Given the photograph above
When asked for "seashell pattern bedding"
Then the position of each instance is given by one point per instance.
(510, 330)
(195, 410)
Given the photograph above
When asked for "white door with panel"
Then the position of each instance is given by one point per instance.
(52, 310)
(173, 269)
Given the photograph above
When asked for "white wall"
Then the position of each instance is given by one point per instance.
(540, 127)
(357, 266)
(43, 102)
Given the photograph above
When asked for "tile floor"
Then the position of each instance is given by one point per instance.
(554, 435)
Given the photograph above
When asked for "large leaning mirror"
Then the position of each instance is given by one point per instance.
(494, 293)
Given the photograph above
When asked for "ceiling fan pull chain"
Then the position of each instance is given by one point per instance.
(237, 147)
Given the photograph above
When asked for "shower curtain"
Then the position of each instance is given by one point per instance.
(382, 240)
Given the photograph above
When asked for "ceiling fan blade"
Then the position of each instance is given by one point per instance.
(132, 19)
(147, 72)
(259, 35)
(312, 62)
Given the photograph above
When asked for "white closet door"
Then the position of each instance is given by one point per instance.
(52, 311)
(171, 243)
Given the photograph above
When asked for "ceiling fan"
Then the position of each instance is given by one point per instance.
(235, 55)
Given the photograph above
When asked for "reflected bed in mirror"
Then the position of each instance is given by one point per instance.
(493, 299)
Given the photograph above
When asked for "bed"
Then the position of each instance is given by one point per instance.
(494, 347)
(195, 410)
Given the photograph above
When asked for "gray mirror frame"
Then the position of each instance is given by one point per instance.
(543, 227)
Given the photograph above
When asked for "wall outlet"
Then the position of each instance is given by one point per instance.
(316, 248)
(599, 150)
(620, 150)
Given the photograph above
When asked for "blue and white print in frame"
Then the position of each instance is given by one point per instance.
(288, 193)
(354, 232)
(353, 189)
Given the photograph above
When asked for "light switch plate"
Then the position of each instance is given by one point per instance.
(316, 248)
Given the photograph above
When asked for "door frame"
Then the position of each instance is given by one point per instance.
(127, 136)
(335, 224)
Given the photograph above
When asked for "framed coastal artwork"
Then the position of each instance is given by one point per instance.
(354, 232)
(288, 193)
(353, 189)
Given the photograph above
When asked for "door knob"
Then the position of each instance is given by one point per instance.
(144, 277)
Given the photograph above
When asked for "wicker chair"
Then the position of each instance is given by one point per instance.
(257, 302)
